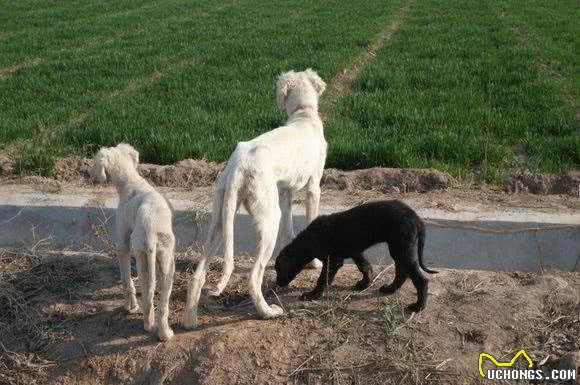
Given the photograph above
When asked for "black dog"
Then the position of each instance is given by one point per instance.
(333, 238)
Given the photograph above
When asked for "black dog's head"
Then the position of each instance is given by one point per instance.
(289, 263)
(296, 255)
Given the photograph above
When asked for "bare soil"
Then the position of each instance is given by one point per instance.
(191, 173)
(62, 322)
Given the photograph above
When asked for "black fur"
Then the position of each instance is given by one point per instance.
(333, 238)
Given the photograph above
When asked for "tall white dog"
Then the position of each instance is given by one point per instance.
(144, 229)
(262, 174)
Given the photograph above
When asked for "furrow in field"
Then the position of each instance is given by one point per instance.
(133, 86)
(456, 90)
(5, 73)
(546, 65)
(341, 84)
(51, 133)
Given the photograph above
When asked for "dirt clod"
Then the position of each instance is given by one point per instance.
(189, 173)
(73, 169)
(6, 165)
(387, 180)
(185, 173)
(543, 184)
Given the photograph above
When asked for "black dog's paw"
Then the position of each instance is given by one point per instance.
(310, 296)
(415, 308)
(362, 284)
(388, 289)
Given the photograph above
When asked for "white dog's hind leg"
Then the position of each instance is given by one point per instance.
(124, 259)
(145, 254)
(147, 278)
(312, 207)
(193, 293)
(166, 265)
(197, 281)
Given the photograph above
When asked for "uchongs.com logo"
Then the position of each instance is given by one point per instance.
(508, 371)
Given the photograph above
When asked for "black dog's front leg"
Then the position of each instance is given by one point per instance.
(329, 268)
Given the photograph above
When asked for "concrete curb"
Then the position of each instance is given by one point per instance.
(519, 240)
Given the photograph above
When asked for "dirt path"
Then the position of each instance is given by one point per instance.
(70, 328)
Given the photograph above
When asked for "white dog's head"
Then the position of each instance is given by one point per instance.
(109, 159)
(297, 90)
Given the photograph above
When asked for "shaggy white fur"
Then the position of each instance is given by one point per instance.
(262, 174)
(144, 229)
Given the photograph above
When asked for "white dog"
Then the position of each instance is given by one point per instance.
(262, 174)
(144, 228)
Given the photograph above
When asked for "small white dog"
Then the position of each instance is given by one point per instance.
(144, 229)
(262, 174)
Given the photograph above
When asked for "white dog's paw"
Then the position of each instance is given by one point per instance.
(165, 334)
(273, 312)
(132, 308)
(131, 304)
(315, 264)
(189, 320)
(149, 326)
(215, 293)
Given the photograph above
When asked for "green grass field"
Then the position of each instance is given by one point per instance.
(470, 87)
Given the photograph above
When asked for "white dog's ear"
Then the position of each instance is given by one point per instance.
(128, 150)
(318, 84)
(285, 82)
(102, 162)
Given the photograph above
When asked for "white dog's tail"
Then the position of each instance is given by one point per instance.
(225, 206)
(213, 240)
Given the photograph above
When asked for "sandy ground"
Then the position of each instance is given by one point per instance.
(62, 322)
(61, 317)
(459, 198)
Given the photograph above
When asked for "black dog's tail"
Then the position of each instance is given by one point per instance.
(421, 245)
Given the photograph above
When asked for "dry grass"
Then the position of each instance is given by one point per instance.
(21, 323)
(28, 330)
(379, 348)
(99, 228)
(14, 367)
(557, 328)
(21, 277)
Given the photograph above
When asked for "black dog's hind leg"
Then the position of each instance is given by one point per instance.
(401, 268)
(421, 283)
(407, 266)
(366, 269)
(329, 268)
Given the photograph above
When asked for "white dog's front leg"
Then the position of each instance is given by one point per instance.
(312, 208)
(166, 263)
(256, 278)
(286, 223)
(267, 228)
(312, 201)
